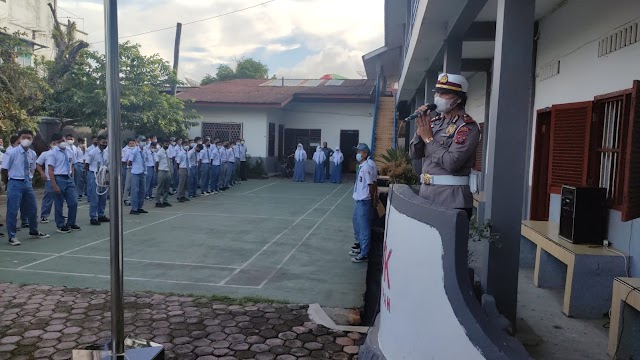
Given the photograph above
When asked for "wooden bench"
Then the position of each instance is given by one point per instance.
(626, 291)
(587, 277)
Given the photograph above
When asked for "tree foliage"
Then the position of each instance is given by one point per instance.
(245, 69)
(22, 91)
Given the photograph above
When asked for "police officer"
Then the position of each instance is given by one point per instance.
(447, 144)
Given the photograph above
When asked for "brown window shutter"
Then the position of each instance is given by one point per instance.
(570, 128)
(478, 160)
(631, 189)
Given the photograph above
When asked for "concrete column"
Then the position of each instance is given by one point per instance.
(453, 56)
(505, 168)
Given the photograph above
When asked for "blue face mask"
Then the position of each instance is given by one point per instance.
(358, 157)
(193, 145)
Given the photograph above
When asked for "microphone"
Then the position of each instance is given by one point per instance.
(430, 107)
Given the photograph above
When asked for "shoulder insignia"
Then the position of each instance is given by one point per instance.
(439, 117)
(467, 119)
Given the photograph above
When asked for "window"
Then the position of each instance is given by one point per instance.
(272, 139)
(597, 143)
(309, 138)
(224, 131)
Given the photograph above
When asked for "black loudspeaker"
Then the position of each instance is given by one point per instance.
(583, 214)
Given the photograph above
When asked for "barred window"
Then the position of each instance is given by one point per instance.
(224, 131)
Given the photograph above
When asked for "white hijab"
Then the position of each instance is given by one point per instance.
(319, 157)
(300, 153)
(338, 158)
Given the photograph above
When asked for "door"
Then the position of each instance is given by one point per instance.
(281, 142)
(540, 181)
(349, 139)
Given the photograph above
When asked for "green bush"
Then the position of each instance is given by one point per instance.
(255, 168)
(396, 164)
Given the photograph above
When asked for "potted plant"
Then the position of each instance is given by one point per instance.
(396, 164)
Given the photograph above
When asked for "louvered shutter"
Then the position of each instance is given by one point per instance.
(631, 189)
(570, 128)
(478, 162)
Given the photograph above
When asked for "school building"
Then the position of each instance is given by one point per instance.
(554, 86)
(274, 115)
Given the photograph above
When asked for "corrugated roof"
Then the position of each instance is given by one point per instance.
(252, 91)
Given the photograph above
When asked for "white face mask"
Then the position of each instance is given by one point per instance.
(25, 143)
(185, 148)
(444, 105)
(62, 145)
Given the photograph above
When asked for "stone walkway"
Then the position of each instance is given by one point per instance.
(44, 322)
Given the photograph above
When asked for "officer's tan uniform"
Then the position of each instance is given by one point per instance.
(451, 152)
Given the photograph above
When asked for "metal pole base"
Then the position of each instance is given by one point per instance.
(134, 350)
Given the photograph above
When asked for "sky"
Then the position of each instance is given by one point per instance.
(297, 39)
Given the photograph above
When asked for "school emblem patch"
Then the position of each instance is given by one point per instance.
(451, 129)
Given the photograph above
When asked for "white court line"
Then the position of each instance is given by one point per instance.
(276, 196)
(126, 259)
(300, 243)
(224, 215)
(276, 238)
(262, 187)
(235, 203)
(95, 242)
(126, 278)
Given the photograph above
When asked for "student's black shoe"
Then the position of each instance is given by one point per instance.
(160, 205)
(143, 211)
(39, 235)
(147, 198)
(14, 242)
(134, 212)
(24, 226)
(64, 230)
(186, 199)
(95, 222)
(166, 204)
(127, 203)
(103, 219)
(355, 246)
(74, 227)
(181, 200)
(360, 259)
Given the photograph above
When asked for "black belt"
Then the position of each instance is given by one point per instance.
(23, 180)
(64, 176)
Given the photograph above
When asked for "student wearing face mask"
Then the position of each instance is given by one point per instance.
(163, 174)
(97, 161)
(214, 153)
(319, 159)
(364, 195)
(446, 144)
(193, 170)
(336, 174)
(80, 174)
(15, 144)
(61, 160)
(243, 160)
(136, 160)
(204, 160)
(224, 157)
(150, 163)
(17, 172)
(94, 143)
(231, 165)
(126, 171)
(182, 159)
(300, 158)
(42, 165)
(236, 169)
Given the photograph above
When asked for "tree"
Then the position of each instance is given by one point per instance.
(22, 91)
(245, 69)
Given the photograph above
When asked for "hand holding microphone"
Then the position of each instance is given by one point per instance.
(423, 124)
(425, 109)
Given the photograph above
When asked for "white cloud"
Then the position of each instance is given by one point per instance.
(338, 32)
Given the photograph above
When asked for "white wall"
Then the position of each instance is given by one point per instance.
(476, 96)
(27, 16)
(254, 125)
(571, 35)
(331, 118)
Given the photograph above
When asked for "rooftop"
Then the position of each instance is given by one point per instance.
(278, 92)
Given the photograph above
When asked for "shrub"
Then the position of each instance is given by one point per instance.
(397, 165)
(255, 168)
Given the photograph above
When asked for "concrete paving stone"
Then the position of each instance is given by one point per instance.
(162, 339)
(340, 356)
(272, 315)
(193, 320)
(88, 339)
(144, 323)
(301, 329)
(177, 319)
(161, 331)
(239, 346)
(276, 321)
(201, 342)
(76, 317)
(225, 317)
(217, 336)
(44, 352)
(300, 352)
(59, 315)
(127, 328)
(278, 328)
(69, 337)
(211, 322)
(354, 336)
(307, 337)
(220, 344)
(228, 323)
(232, 330)
(51, 335)
(262, 326)
(13, 332)
(7, 347)
(274, 341)
(208, 357)
(213, 328)
(29, 341)
(143, 330)
(192, 313)
(241, 318)
(21, 357)
(279, 350)
(344, 341)
(40, 320)
(255, 313)
(227, 358)
(260, 348)
(203, 350)
(295, 323)
(104, 334)
(236, 338)
(255, 339)
(351, 349)
(182, 340)
(59, 321)
(221, 352)
(265, 356)
(245, 325)
(187, 356)
(31, 306)
(288, 335)
(72, 330)
(320, 330)
(313, 345)
(160, 324)
(320, 354)
(268, 333)
(287, 316)
(249, 332)
(286, 357)
(183, 349)
(293, 343)
(47, 343)
(9, 317)
(333, 347)
(68, 345)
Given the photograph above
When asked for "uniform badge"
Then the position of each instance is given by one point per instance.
(451, 129)
(444, 79)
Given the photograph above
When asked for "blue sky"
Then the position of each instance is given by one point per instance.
(295, 38)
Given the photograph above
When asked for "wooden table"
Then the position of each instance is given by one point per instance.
(587, 277)
(625, 291)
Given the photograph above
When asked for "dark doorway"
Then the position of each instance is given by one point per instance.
(309, 138)
(540, 181)
(349, 139)
(281, 154)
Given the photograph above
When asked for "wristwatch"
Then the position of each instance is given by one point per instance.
(429, 139)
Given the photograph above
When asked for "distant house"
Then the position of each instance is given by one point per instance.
(274, 115)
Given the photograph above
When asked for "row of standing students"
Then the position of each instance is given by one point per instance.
(320, 164)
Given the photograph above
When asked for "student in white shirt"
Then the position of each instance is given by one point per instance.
(96, 159)
(215, 167)
(42, 165)
(80, 175)
(61, 160)
(126, 170)
(182, 159)
(204, 160)
(163, 174)
(150, 162)
(193, 169)
(364, 194)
